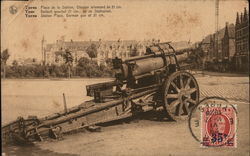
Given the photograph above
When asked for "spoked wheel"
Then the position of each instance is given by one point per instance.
(181, 94)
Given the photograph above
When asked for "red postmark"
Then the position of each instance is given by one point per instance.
(218, 126)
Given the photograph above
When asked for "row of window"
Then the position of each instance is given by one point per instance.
(241, 33)
(102, 54)
(242, 46)
(72, 47)
(102, 47)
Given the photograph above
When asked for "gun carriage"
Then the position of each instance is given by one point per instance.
(142, 83)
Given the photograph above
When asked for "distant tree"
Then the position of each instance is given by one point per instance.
(134, 51)
(90, 68)
(68, 61)
(14, 63)
(92, 51)
(4, 57)
(13, 71)
(82, 66)
(83, 61)
(109, 62)
(43, 70)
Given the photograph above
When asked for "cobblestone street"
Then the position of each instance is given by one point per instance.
(231, 88)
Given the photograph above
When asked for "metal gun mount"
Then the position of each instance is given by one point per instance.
(142, 83)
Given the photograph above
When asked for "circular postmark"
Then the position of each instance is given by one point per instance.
(13, 9)
(213, 122)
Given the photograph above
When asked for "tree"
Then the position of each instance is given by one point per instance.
(109, 62)
(92, 51)
(68, 61)
(83, 61)
(13, 70)
(89, 68)
(14, 63)
(4, 57)
(134, 51)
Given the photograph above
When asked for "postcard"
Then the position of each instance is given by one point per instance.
(125, 77)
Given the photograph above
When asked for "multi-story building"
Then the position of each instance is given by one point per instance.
(205, 44)
(228, 47)
(54, 52)
(242, 41)
(220, 48)
(105, 49)
(112, 49)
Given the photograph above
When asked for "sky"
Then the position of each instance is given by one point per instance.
(167, 20)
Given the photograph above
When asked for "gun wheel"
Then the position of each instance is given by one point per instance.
(181, 94)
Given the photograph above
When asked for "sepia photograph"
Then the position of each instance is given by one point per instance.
(125, 78)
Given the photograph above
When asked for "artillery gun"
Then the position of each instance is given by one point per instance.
(142, 83)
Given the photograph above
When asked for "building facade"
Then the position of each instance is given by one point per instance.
(54, 52)
(105, 50)
(228, 47)
(205, 44)
(219, 49)
(242, 41)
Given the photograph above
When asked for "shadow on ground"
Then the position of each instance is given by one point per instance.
(153, 115)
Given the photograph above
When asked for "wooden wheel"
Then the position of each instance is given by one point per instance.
(181, 94)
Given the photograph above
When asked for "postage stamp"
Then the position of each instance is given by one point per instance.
(218, 127)
(214, 123)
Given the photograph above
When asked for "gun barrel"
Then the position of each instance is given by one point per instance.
(156, 58)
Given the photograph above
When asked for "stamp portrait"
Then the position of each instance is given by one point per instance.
(218, 126)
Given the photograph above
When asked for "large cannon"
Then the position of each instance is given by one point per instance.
(152, 81)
